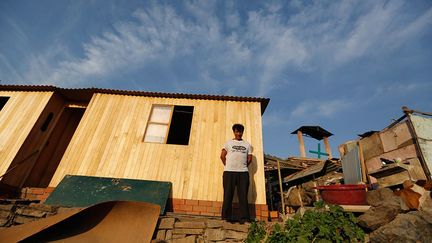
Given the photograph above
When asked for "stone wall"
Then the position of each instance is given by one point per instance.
(16, 212)
(189, 228)
(212, 208)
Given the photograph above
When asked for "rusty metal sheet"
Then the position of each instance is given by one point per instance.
(83, 191)
(423, 129)
(114, 221)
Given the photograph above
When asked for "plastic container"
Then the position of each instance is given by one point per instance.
(344, 194)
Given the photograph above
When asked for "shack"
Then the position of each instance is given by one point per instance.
(48, 132)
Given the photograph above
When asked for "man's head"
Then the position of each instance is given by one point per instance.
(238, 131)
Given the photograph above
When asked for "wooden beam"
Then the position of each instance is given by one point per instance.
(365, 177)
(301, 144)
(281, 189)
(327, 147)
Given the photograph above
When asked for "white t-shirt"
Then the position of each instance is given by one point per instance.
(237, 152)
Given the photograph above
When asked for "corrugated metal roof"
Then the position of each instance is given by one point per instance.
(86, 93)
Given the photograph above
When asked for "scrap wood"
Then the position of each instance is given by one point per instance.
(271, 163)
(113, 221)
(321, 167)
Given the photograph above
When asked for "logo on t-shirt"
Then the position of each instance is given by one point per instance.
(239, 148)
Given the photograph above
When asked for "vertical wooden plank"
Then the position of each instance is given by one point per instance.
(88, 140)
(191, 166)
(205, 188)
(259, 175)
(99, 140)
(127, 132)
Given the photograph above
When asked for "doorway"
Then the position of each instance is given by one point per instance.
(51, 154)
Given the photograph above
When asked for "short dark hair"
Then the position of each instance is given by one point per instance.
(238, 127)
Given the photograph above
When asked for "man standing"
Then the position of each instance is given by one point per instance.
(236, 156)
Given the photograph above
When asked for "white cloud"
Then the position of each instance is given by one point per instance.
(255, 54)
(320, 108)
(368, 31)
(400, 89)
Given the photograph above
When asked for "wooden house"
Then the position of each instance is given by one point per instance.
(48, 132)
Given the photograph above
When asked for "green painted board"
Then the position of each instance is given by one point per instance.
(83, 191)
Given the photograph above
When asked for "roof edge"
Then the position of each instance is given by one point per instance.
(264, 101)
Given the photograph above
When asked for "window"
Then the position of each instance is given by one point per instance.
(3, 101)
(169, 124)
(47, 122)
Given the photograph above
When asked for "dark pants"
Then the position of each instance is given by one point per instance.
(231, 180)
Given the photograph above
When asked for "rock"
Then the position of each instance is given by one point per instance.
(192, 218)
(214, 223)
(6, 207)
(160, 235)
(236, 227)
(230, 234)
(382, 196)
(167, 223)
(425, 202)
(215, 234)
(43, 207)
(410, 198)
(168, 235)
(4, 214)
(178, 236)
(190, 225)
(3, 222)
(378, 216)
(189, 239)
(22, 219)
(298, 197)
(200, 240)
(420, 190)
(414, 226)
(188, 231)
(31, 212)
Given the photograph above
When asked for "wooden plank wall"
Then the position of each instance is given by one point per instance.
(108, 143)
(17, 118)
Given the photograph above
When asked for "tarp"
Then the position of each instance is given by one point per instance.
(114, 221)
(83, 191)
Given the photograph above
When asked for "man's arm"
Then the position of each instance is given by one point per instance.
(249, 159)
(223, 156)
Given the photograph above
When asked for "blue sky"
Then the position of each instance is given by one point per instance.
(348, 66)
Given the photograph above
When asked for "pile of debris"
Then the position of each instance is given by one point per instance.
(403, 215)
(298, 178)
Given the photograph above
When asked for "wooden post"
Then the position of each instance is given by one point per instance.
(281, 190)
(365, 176)
(301, 144)
(327, 147)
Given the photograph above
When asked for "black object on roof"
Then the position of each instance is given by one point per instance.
(316, 132)
(367, 134)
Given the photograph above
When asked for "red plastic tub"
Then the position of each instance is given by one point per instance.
(344, 194)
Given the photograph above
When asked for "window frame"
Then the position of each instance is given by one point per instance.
(159, 123)
(170, 130)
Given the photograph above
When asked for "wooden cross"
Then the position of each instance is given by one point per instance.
(319, 153)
